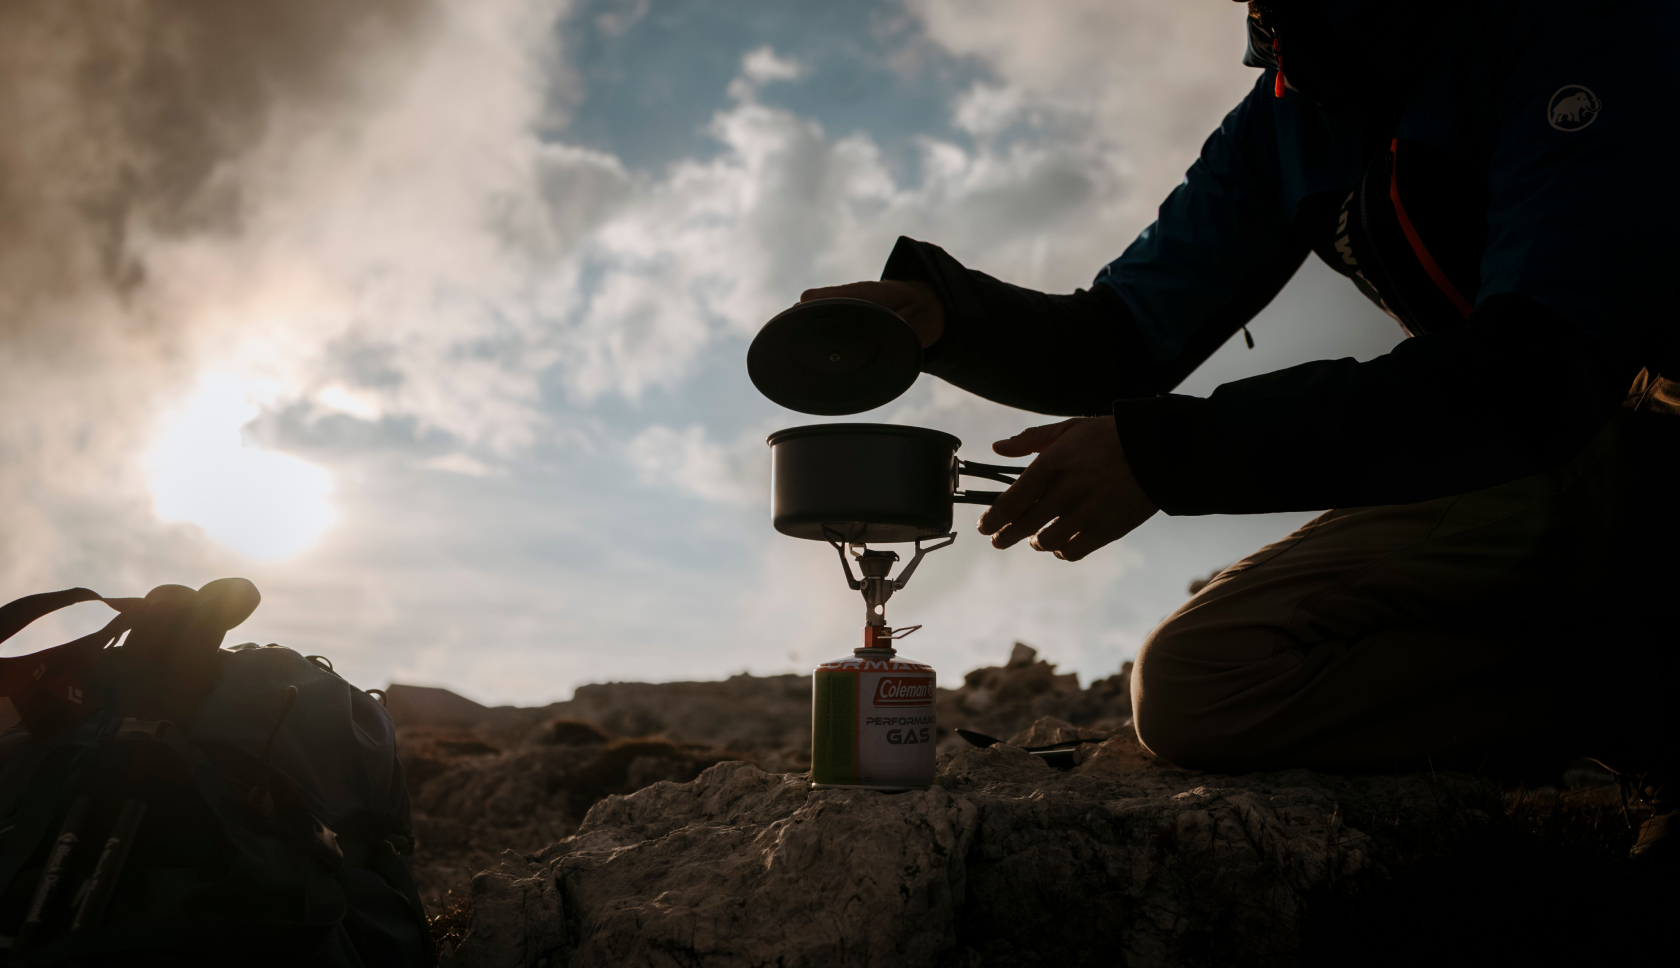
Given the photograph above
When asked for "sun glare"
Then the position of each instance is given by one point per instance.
(261, 504)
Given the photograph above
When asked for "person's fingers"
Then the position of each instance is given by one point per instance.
(1091, 512)
(1033, 485)
(1027, 490)
(1026, 525)
(1033, 440)
(914, 301)
(851, 290)
(1059, 513)
(1112, 522)
(1056, 535)
(1086, 542)
(1076, 497)
(1091, 536)
(1091, 539)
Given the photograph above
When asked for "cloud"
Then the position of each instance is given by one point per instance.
(687, 461)
(508, 349)
(458, 463)
(356, 403)
(988, 109)
(131, 129)
(620, 16)
(1128, 88)
(762, 65)
(377, 204)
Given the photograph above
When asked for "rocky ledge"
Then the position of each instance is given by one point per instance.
(486, 780)
(1005, 861)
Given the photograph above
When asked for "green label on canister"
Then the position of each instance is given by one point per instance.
(834, 727)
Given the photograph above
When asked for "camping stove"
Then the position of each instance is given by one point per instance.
(872, 712)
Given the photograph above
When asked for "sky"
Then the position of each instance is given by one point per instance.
(431, 319)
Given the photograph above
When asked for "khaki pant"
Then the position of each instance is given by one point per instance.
(1521, 623)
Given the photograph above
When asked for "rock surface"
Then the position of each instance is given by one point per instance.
(757, 716)
(768, 718)
(489, 779)
(1005, 861)
(486, 779)
(472, 800)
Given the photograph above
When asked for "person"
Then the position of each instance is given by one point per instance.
(1496, 586)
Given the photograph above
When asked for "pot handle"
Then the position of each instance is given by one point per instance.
(991, 472)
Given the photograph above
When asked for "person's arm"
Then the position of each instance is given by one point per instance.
(1517, 390)
(1222, 247)
(1578, 292)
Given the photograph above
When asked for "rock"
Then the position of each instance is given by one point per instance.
(474, 807)
(521, 917)
(767, 719)
(743, 713)
(431, 706)
(1004, 862)
(737, 865)
(1119, 754)
(485, 779)
(1021, 656)
(426, 752)
(758, 716)
(1050, 731)
(574, 732)
(1006, 700)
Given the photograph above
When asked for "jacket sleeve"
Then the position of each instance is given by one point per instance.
(1578, 293)
(1068, 355)
(1221, 248)
(1515, 391)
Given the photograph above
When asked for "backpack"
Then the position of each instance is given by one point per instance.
(165, 801)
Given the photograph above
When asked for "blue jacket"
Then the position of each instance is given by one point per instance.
(1515, 210)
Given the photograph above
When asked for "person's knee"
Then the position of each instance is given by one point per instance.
(1170, 699)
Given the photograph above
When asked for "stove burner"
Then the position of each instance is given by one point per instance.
(875, 584)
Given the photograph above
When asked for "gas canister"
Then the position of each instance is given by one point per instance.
(872, 719)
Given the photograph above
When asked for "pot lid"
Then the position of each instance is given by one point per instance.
(834, 356)
(864, 430)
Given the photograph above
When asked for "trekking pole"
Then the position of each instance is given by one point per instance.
(109, 869)
(69, 836)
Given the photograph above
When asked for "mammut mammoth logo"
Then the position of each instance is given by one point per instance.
(904, 691)
(1572, 108)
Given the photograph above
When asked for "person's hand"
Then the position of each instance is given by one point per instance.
(1076, 496)
(915, 302)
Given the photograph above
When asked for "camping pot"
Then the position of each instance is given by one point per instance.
(875, 483)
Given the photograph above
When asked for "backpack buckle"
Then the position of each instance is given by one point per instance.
(324, 844)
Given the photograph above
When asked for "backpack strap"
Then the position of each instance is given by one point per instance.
(15, 615)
